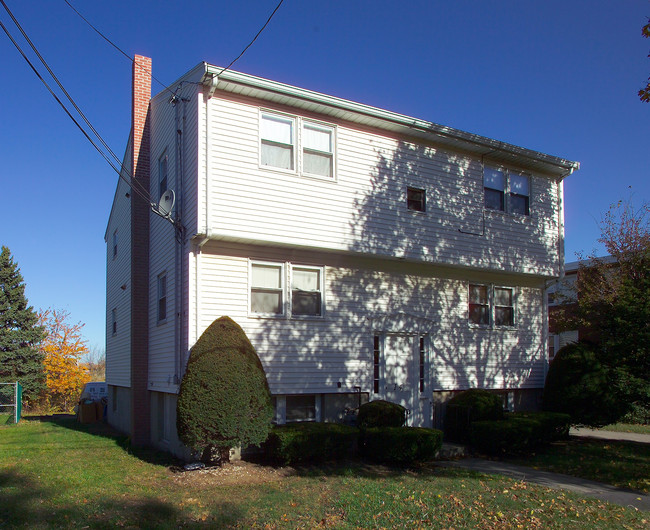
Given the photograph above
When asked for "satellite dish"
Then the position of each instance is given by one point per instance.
(166, 203)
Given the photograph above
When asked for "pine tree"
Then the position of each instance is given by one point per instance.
(20, 359)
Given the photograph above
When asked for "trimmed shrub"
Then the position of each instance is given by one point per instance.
(309, 442)
(224, 399)
(579, 385)
(400, 445)
(469, 406)
(518, 432)
(380, 413)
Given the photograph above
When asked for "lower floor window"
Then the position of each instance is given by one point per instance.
(491, 305)
(301, 408)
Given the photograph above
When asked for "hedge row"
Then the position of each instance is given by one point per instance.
(302, 443)
(518, 432)
(400, 445)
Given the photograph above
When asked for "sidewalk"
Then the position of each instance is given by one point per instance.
(581, 486)
(588, 488)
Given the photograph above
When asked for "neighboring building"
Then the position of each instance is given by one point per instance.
(563, 297)
(365, 253)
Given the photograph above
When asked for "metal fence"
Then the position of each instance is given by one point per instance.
(10, 402)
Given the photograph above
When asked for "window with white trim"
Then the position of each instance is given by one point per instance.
(300, 296)
(491, 305)
(309, 153)
(277, 141)
(506, 191)
(267, 288)
(306, 291)
(162, 297)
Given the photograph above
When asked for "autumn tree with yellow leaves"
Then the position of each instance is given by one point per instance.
(63, 348)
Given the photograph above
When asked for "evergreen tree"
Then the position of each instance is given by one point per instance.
(20, 359)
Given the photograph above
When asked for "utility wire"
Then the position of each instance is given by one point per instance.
(135, 189)
(254, 39)
(117, 47)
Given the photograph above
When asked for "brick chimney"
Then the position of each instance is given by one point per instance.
(141, 164)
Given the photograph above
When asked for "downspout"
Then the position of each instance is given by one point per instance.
(210, 84)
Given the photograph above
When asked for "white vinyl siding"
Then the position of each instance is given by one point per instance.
(312, 356)
(362, 209)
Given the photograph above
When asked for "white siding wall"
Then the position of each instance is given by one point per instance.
(165, 253)
(364, 208)
(118, 274)
(313, 356)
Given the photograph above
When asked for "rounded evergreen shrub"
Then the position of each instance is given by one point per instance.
(471, 405)
(579, 385)
(381, 413)
(224, 399)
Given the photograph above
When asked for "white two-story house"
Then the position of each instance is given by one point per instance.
(367, 254)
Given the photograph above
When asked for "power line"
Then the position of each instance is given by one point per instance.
(254, 39)
(140, 191)
(117, 47)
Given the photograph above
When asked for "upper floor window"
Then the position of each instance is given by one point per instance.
(311, 152)
(506, 191)
(416, 199)
(489, 304)
(115, 244)
(162, 175)
(277, 141)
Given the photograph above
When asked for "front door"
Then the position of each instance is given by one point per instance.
(404, 376)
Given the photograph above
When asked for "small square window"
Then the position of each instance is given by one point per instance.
(416, 199)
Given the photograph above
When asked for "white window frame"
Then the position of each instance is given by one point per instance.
(282, 288)
(298, 144)
(492, 306)
(162, 277)
(508, 192)
(321, 289)
(286, 275)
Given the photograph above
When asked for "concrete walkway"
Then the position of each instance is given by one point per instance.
(588, 488)
(585, 432)
(581, 486)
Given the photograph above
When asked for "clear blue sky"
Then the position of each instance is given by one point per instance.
(559, 77)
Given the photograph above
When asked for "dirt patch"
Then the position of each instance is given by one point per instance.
(232, 473)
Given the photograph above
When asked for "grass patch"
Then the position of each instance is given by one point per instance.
(620, 463)
(57, 473)
(627, 427)
(6, 419)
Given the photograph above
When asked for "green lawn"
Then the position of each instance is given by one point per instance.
(57, 473)
(619, 463)
(627, 427)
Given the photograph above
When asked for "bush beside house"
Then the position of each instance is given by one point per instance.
(224, 399)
